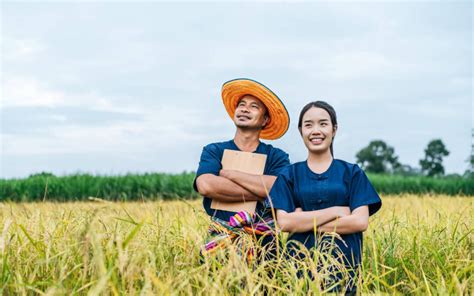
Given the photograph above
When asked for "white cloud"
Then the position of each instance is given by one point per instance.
(159, 127)
(30, 92)
(357, 65)
(21, 50)
(360, 58)
(25, 92)
(58, 118)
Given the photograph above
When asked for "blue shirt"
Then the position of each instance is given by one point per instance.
(343, 184)
(210, 163)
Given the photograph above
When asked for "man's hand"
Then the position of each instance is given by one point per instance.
(223, 189)
(226, 173)
(259, 185)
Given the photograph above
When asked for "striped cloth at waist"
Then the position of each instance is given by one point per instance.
(241, 225)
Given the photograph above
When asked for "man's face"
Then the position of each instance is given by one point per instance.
(250, 113)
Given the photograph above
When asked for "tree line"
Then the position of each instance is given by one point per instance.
(380, 158)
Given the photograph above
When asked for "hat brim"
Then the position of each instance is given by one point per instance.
(234, 90)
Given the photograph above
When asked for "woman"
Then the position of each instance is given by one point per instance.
(331, 194)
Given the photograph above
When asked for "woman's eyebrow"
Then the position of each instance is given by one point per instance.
(324, 119)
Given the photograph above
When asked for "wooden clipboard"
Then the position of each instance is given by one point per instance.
(247, 162)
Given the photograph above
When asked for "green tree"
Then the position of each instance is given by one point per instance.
(432, 164)
(407, 170)
(470, 160)
(378, 157)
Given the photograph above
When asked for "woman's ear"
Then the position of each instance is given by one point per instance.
(334, 130)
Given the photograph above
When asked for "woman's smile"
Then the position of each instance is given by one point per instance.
(316, 140)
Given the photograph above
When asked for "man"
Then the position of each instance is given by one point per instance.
(257, 113)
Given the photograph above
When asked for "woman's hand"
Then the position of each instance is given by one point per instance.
(357, 221)
(341, 211)
(337, 211)
(302, 221)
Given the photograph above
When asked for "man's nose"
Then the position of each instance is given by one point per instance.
(245, 109)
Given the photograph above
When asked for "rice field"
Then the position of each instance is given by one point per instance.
(421, 245)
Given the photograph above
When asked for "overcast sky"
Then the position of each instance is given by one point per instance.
(111, 88)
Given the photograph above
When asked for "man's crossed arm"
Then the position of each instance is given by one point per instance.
(235, 186)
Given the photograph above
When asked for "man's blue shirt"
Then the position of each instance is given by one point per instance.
(210, 163)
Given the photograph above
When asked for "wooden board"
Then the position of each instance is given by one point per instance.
(247, 162)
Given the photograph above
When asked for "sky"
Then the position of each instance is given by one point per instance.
(121, 87)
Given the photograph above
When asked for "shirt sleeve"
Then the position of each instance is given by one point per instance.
(280, 160)
(362, 192)
(210, 163)
(281, 194)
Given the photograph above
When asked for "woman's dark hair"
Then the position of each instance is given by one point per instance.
(323, 105)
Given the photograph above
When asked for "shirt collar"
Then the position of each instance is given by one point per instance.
(256, 149)
(321, 176)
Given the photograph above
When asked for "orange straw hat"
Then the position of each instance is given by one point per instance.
(279, 121)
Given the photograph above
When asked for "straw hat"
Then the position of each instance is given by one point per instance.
(279, 121)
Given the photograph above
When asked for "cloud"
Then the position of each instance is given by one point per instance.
(24, 92)
(31, 92)
(21, 49)
(157, 129)
(54, 121)
(111, 79)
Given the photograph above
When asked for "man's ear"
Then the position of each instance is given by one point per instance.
(267, 120)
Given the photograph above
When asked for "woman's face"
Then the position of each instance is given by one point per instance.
(317, 130)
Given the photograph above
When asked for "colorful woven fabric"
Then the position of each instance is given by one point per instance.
(242, 230)
(240, 219)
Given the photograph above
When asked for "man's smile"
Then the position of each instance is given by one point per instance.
(242, 116)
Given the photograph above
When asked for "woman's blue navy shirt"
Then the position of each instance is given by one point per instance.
(343, 184)
(210, 163)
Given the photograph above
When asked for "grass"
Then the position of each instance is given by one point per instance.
(420, 245)
(47, 187)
